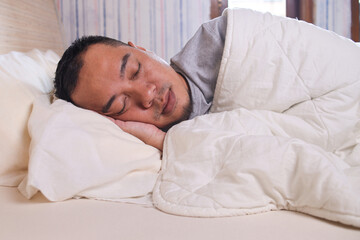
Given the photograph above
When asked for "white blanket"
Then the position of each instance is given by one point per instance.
(284, 130)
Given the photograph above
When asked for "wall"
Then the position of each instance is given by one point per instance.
(162, 26)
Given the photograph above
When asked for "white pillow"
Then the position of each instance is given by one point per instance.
(23, 76)
(77, 152)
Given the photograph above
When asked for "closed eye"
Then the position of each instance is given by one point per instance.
(122, 109)
(137, 72)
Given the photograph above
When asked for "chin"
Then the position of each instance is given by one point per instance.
(184, 117)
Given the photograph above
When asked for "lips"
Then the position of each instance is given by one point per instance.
(170, 102)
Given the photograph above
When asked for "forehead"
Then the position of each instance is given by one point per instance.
(101, 52)
(98, 62)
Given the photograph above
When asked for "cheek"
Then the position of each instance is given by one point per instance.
(183, 96)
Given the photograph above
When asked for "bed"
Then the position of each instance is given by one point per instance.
(27, 26)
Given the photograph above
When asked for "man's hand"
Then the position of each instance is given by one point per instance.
(147, 133)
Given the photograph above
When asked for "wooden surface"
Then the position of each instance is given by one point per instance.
(300, 9)
(217, 7)
(292, 8)
(306, 11)
(29, 24)
(355, 20)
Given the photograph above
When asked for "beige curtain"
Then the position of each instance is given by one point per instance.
(162, 26)
(334, 15)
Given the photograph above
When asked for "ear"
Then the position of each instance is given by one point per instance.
(135, 46)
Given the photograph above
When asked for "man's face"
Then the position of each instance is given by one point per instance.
(130, 84)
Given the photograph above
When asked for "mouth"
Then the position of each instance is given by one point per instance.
(170, 101)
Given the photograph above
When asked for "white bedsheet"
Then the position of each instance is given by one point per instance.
(39, 219)
(284, 131)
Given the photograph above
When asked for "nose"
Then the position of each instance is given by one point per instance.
(147, 93)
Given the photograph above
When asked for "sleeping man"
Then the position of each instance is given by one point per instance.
(284, 125)
(145, 96)
(139, 91)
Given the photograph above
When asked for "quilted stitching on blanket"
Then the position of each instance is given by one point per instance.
(284, 130)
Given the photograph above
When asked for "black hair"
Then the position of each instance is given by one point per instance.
(71, 62)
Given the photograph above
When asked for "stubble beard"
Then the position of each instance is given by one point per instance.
(186, 111)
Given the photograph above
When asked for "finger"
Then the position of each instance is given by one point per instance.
(120, 123)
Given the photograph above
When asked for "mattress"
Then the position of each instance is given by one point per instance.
(39, 218)
(92, 219)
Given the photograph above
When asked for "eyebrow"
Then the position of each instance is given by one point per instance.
(123, 64)
(124, 61)
(106, 108)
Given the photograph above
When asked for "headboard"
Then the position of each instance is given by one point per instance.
(25, 25)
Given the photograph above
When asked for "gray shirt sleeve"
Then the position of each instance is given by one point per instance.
(199, 63)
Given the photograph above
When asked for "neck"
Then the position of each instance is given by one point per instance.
(182, 78)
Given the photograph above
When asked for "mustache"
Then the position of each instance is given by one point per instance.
(158, 101)
(187, 110)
